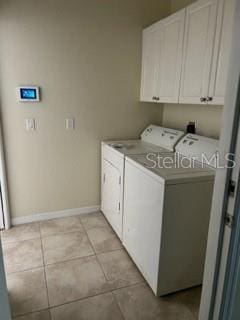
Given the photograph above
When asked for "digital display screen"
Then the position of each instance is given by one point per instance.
(28, 93)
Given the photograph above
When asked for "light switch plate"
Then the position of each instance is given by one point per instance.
(30, 124)
(69, 124)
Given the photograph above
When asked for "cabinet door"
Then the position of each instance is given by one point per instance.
(171, 56)
(221, 51)
(150, 63)
(198, 50)
(111, 196)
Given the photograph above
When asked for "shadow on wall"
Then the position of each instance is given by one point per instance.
(208, 118)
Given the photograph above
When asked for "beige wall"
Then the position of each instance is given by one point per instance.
(208, 118)
(179, 4)
(85, 56)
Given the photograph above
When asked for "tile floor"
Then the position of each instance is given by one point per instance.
(75, 268)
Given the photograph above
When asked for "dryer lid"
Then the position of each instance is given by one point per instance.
(172, 168)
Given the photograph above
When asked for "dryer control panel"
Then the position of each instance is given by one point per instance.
(201, 148)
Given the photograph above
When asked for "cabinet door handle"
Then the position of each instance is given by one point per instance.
(209, 98)
(203, 99)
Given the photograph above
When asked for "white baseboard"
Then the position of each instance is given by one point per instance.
(53, 215)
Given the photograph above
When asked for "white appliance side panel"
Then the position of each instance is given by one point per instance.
(184, 236)
(143, 202)
(111, 196)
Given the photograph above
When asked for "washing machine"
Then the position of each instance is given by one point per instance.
(167, 204)
(154, 140)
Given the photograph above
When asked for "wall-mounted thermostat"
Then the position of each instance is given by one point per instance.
(28, 93)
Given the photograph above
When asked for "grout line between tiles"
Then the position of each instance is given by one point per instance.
(102, 252)
(109, 251)
(79, 217)
(25, 270)
(60, 262)
(72, 259)
(92, 246)
(45, 277)
(30, 313)
(92, 296)
(99, 262)
(81, 299)
(96, 256)
(118, 304)
(85, 298)
(105, 276)
(4, 242)
(61, 233)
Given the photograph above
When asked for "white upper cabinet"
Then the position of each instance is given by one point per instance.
(171, 57)
(161, 61)
(186, 55)
(222, 50)
(198, 48)
(150, 62)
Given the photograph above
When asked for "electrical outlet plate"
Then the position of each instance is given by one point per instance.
(30, 124)
(69, 124)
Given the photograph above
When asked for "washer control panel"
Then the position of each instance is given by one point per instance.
(162, 137)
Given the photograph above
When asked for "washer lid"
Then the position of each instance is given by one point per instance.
(128, 147)
(162, 137)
